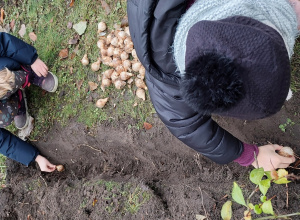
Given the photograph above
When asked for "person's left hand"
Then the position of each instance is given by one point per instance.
(44, 164)
(40, 68)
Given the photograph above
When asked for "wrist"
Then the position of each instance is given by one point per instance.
(38, 158)
(247, 156)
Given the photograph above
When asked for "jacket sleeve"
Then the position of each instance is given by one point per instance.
(16, 49)
(16, 149)
(197, 131)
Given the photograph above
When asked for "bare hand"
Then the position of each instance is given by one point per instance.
(270, 160)
(44, 164)
(40, 68)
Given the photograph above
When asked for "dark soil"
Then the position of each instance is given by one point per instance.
(112, 172)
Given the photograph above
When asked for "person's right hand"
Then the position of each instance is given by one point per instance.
(40, 68)
(270, 160)
(44, 164)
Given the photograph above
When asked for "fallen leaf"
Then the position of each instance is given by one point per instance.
(124, 22)
(147, 125)
(72, 3)
(74, 40)
(32, 36)
(64, 53)
(80, 27)
(94, 202)
(106, 7)
(200, 217)
(73, 54)
(71, 70)
(2, 15)
(12, 24)
(22, 30)
(79, 84)
(92, 85)
(70, 25)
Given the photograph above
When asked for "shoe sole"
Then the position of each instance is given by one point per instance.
(27, 115)
(55, 82)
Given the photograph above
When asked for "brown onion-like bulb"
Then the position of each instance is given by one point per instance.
(119, 84)
(85, 61)
(101, 26)
(60, 168)
(140, 93)
(101, 102)
(125, 75)
(96, 66)
(107, 73)
(140, 84)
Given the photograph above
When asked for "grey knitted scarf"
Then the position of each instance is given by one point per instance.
(278, 14)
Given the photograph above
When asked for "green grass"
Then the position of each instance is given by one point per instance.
(49, 21)
(2, 170)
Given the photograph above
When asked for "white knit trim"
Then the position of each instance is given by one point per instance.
(278, 14)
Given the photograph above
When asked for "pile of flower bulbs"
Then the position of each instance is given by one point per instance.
(117, 52)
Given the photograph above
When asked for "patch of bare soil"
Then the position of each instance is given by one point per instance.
(113, 172)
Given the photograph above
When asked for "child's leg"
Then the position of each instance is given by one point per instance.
(8, 110)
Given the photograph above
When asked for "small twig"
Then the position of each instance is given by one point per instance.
(44, 181)
(252, 193)
(203, 202)
(287, 196)
(277, 217)
(90, 147)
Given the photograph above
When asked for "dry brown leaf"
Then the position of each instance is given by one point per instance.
(73, 54)
(22, 30)
(106, 7)
(12, 24)
(74, 40)
(72, 3)
(79, 84)
(2, 15)
(147, 125)
(93, 85)
(64, 53)
(71, 70)
(32, 36)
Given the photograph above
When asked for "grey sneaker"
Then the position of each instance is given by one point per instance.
(22, 118)
(48, 83)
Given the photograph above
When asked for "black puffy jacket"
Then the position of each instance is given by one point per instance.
(14, 52)
(152, 26)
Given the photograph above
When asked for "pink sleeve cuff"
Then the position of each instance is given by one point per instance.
(247, 157)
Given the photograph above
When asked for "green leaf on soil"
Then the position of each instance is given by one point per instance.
(268, 174)
(226, 212)
(80, 27)
(237, 194)
(256, 175)
(257, 209)
(264, 185)
(251, 206)
(263, 198)
(282, 181)
(267, 207)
